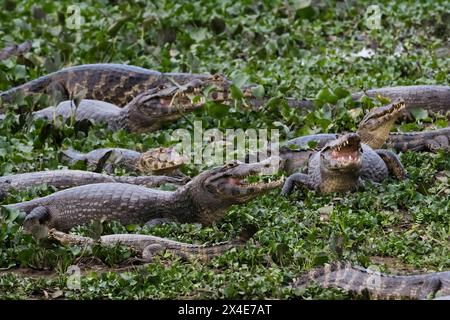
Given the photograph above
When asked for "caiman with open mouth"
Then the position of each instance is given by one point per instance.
(342, 164)
(205, 199)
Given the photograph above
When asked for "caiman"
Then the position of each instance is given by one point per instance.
(148, 111)
(114, 83)
(433, 140)
(373, 130)
(434, 98)
(63, 179)
(157, 161)
(15, 50)
(343, 164)
(205, 199)
(148, 246)
(119, 84)
(378, 285)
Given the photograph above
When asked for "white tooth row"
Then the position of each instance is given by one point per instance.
(348, 158)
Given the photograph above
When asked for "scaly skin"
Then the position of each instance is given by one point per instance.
(205, 199)
(114, 83)
(63, 179)
(434, 98)
(148, 245)
(342, 164)
(124, 158)
(15, 50)
(373, 129)
(433, 140)
(378, 285)
(157, 161)
(430, 97)
(148, 111)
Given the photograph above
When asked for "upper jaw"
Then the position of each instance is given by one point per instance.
(343, 153)
(384, 114)
(232, 182)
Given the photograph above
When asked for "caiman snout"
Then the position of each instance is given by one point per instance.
(343, 153)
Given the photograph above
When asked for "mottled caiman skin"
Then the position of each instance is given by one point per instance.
(124, 158)
(205, 199)
(145, 113)
(114, 83)
(15, 50)
(378, 285)
(432, 140)
(429, 97)
(157, 161)
(373, 130)
(148, 245)
(63, 179)
(343, 163)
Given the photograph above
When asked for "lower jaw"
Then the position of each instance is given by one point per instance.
(339, 184)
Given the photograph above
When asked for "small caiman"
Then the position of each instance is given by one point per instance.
(148, 245)
(378, 285)
(432, 140)
(63, 179)
(157, 161)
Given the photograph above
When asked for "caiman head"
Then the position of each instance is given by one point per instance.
(375, 126)
(160, 161)
(150, 109)
(214, 191)
(340, 163)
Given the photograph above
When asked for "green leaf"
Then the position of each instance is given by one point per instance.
(216, 110)
(258, 91)
(240, 79)
(419, 113)
(236, 93)
(326, 96)
(341, 92)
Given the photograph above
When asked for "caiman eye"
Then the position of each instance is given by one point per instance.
(231, 165)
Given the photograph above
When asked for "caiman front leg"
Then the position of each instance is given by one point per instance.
(393, 163)
(158, 221)
(438, 143)
(429, 288)
(34, 222)
(299, 179)
(150, 250)
(36, 217)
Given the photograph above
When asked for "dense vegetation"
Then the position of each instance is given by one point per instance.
(290, 48)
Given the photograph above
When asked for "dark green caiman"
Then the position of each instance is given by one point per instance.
(148, 111)
(157, 161)
(343, 164)
(378, 285)
(63, 179)
(148, 245)
(205, 199)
